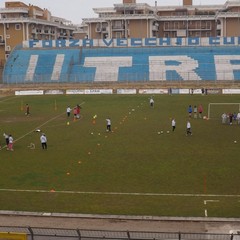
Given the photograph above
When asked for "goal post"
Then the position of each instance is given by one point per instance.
(215, 110)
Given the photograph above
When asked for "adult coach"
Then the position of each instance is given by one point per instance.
(43, 140)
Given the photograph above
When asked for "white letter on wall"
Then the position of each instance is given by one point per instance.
(185, 67)
(224, 67)
(107, 68)
(57, 68)
(31, 67)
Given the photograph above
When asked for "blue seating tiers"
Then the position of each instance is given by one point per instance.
(125, 64)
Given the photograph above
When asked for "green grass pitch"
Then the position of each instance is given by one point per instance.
(133, 170)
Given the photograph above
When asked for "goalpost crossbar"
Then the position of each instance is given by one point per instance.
(210, 104)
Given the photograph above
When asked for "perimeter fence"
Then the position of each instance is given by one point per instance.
(109, 77)
(44, 80)
(33, 233)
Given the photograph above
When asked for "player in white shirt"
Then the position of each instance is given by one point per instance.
(43, 140)
(173, 124)
(108, 125)
(151, 102)
(189, 131)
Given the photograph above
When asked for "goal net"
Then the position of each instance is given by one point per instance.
(216, 110)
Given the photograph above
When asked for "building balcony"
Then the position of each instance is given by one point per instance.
(202, 28)
(118, 27)
(38, 13)
(189, 28)
(13, 10)
(228, 15)
(98, 29)
(155, 28)
(46, 31)
(105, 29)
(187, 18)
(63, 35)
(36, 22)
(102, 29)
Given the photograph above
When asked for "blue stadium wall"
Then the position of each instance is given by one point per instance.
(124, 64)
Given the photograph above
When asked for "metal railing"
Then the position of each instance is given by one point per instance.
(144, 77)
(34, 233)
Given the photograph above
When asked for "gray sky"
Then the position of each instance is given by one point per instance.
(75, 10)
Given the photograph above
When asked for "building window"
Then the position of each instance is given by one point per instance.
(208, 34)
(118, 24)
(198, 23)
(166, 35)
(17, 27)
(118, 35)
(176, 25)
(208, 25)
(166, 25)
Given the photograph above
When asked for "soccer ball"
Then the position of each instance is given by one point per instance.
(235, 141)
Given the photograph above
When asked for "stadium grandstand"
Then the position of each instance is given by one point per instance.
(124, 61)
(164, 43)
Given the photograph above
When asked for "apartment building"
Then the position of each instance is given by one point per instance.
(20, 22)
(140, 20)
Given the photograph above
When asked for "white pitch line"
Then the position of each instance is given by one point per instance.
(206, 214)
(205, 203)
(35, 129)
(115, 193)
(39, 126)
(6, 99)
